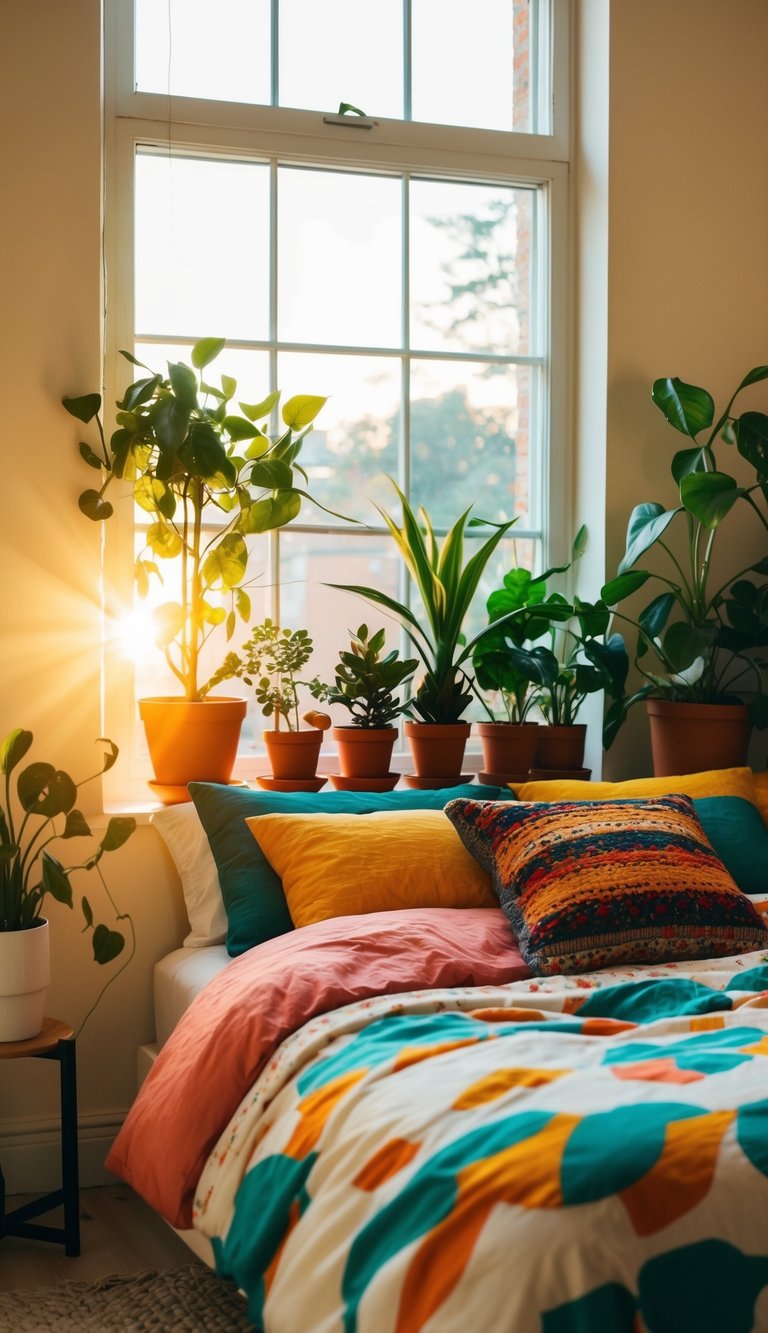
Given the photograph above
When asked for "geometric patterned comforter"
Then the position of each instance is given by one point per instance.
(571, 1155)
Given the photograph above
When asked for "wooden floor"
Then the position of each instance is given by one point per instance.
(118, 1234)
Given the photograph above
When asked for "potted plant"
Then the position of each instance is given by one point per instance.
(30, 874)
(507, 672)
(579, 662)
(365, 684)
(269, 661)
(702, 641)
(191, 457)
(436, 733)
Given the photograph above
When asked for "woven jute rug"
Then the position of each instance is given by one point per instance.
(177, 1300)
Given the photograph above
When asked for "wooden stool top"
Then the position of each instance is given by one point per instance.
(53, 1031)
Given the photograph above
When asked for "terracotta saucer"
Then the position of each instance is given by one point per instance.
(291, 784)
(432, 784)
(169, 793)
(385, 783)
(501, 779)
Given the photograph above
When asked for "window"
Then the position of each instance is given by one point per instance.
(407, 262)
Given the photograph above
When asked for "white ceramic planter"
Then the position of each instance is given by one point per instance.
(25, 970)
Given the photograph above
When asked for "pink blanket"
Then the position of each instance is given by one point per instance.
(230, 1031)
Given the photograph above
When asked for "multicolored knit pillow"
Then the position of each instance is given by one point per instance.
(590, 884)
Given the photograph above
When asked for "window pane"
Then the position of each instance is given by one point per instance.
(307, 563)
(339, 258)
(471, 63)
(193, 48)
(470, 267)
(470, 432)
(202, 247)
(356, 441)
(361, 61)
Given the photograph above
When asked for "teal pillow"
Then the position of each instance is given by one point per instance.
(736, 830)
(253, 894)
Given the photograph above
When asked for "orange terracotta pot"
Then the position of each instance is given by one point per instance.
(693, 738)
(365, 752)
(509, 748)
(437, 749)
(293, 755)
(192, 742)
(561, 747)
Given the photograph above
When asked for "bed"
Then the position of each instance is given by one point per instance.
(387, 1120)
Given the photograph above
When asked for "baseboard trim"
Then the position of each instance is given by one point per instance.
(30, 1152)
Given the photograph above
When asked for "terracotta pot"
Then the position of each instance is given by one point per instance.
(509, 748)
(365, 752)
(561, 747)
(437, 749)
(293, 755)
(191, 742)
(25, 971)
(693, 738)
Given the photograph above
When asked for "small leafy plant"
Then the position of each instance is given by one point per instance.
(269, 662)
(188, 454)
(365, 682)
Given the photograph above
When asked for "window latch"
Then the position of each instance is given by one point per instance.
(354, 122)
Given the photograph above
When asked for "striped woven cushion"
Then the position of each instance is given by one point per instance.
(590, 884)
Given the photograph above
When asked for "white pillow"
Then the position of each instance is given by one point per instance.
(180, 828)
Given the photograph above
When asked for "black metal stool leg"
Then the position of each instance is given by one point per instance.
(69, 1163)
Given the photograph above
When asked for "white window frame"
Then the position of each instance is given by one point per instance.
(133, 119)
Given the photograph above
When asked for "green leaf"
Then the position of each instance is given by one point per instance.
(204, 454)
(170, 422)
(686, 407)
(243, 604)
(272, 475)
(258, 411)
(302, 409)
(656, 614)
(91, 504)
(110, 754)
(647, 523)
(76, 825)
(87, 911)
(84, 408)
(579, 543)
(683, 643)
(272, 512)
(55, 880)
(229, 387)
(226, 562)
(206, 351)
(692, 460)
(184, 384)
(623, 586)
(119, 830)
(154, 496)
(91, 458)
(709, 496)
(45, 790)
(752, 440)
(346, 108)
(13, 749)
(140, 392)
(259, 446)
(166, 542)
(240, 429)
(107, 944)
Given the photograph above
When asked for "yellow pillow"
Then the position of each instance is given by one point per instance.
(717, 782)
(342, 865)
(761, 793)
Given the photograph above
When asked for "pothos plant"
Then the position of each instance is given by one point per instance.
(191, 457)
(270, 661)
(41, 812)
(703, 637)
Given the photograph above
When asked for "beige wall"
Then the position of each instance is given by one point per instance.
(687, 278)
(674, 271)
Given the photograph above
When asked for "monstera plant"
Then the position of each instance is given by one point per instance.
(702, 640)
(210, 475)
